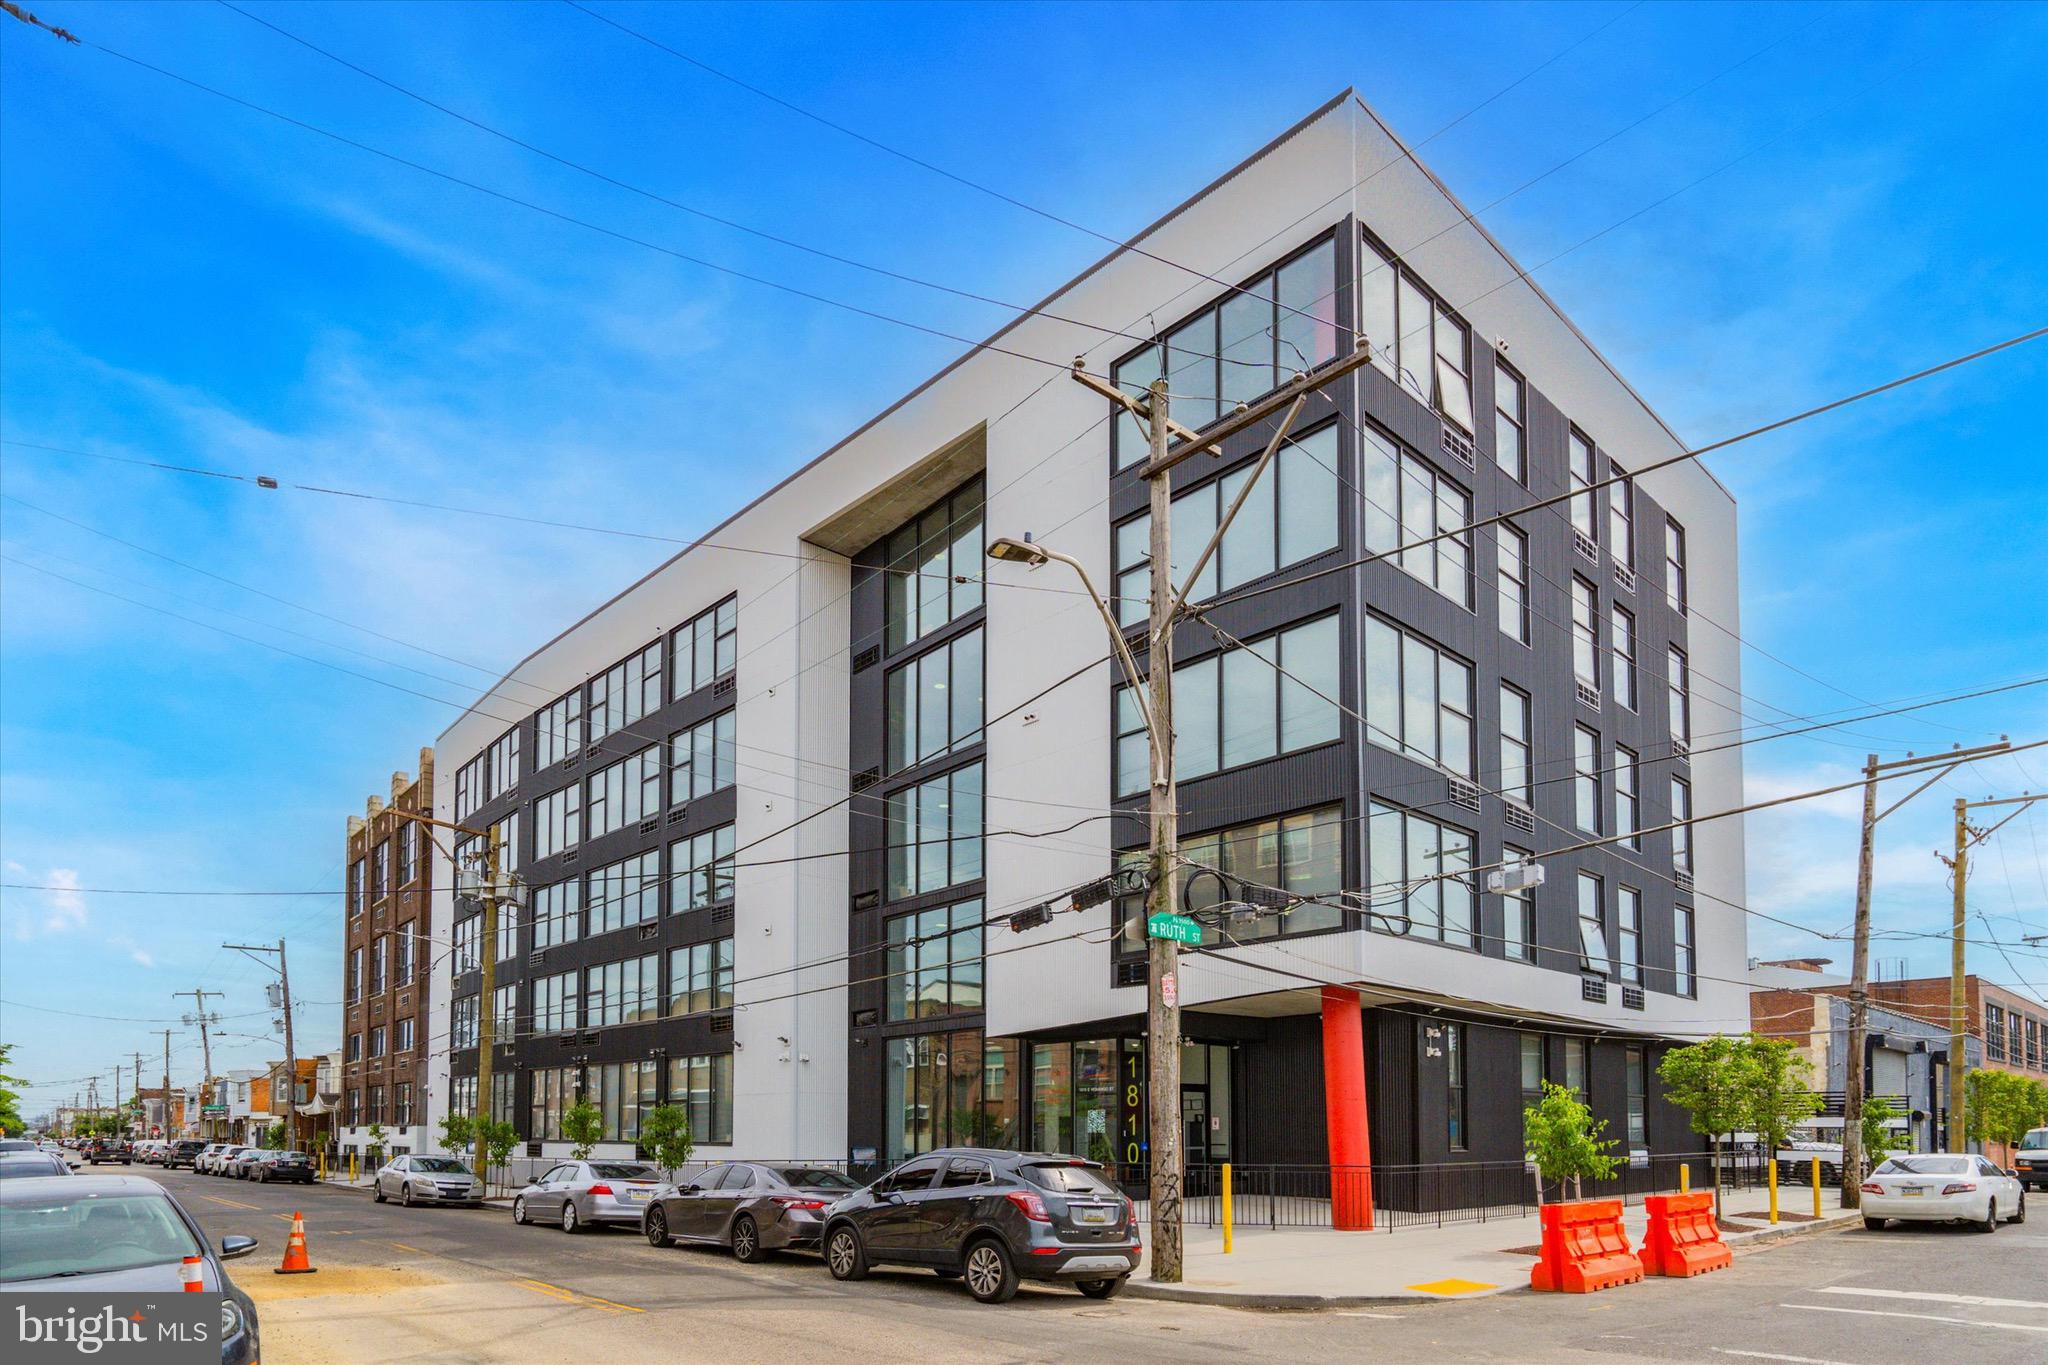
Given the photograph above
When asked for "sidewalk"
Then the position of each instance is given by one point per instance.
(1318, 1268)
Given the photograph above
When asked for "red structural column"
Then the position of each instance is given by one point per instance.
(1344, 1111)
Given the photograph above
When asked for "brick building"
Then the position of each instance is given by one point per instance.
(385, 954)
(2013, 1027)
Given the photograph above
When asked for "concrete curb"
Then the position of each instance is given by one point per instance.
(1302, 1303)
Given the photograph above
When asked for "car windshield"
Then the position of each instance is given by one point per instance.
(1926, 1165)
(1067, 1178)
(2037, 1138)
(816, 1178)
(439, 1165)
(621, 1170)
(63, 1235)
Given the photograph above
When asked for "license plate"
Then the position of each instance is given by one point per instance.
(638, 1196)
(1912, 1191)
(1094, 1217)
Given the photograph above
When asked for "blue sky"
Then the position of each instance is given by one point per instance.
(188, 281)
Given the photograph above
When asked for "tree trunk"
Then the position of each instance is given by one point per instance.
(1717, 1177)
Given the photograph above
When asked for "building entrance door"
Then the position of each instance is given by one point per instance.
(1194, 1125)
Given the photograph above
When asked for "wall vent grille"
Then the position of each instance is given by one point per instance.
(1593, 989)
(867, 658)
(1458, 446)
(1586, 546)
(1589, 695)
(1132, 973)
(1519, 817)
(1631, 997)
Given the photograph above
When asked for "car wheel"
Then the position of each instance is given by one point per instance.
(845, 1257)
(746, 1240)
(569, 1222)
(379, 1194)
(1102, 1289)
(519, 1210)
(1990, 1223)
(405, 1195)
(2020, 1214)
(657, 1228)
(1874, 1224)
(991, 1278)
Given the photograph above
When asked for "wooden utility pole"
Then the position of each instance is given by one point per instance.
(1937, 766)
(487, 954)
(167, 1082)
(141, 1109)
(291, 1066)
(205, 1051)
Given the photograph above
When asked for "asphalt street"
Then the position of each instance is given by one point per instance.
(465, 1285)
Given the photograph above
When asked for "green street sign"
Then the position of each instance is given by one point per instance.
(213, 1110)
(1178, 928)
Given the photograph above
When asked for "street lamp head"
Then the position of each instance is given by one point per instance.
(1016, 551)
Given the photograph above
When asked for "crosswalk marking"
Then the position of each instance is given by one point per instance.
(1922, 1317)
(1928, 1296)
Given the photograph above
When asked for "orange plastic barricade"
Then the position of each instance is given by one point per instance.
(1683, 1238)
(1584, 1248)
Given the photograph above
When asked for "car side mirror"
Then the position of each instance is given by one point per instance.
(892, 1196)
(231, 1247)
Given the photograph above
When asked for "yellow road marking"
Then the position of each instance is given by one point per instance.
(555, 1291)
(233, 1203)
(415, 1250)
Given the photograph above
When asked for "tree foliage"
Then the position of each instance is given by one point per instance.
(458, 1132)
(1879, 1137)
(273, 1136)
(1781, 1090)
(1564, 1139)
(665, 1136)
(2002, 1106)
(11, 1122)
(500, 1137)
(583, 1124)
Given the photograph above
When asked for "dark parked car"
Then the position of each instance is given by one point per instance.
(750, 1207)
(120, 1234)
(31, 1163)
(108, 1149)
(990, 1217)
(268, 1166)
(184, 1152)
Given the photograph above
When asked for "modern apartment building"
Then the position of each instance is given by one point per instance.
(388, 952)
(801, 816)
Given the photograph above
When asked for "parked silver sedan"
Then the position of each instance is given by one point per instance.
(750, 1207)
(578, 1194)
(427, 1180)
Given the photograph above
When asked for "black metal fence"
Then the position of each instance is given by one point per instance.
(1299, 1196)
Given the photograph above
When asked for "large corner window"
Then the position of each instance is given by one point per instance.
(704, 649)
(1418, 875)
(1418, 699)
(1415, 338)
(1290, 516)
(702, 1088)
(1301, 854)
(1241, 347)
(933, 702)
(700, 978)
(934, 962)
(920, 563)
(1272, 697)
(1407, 503)
(933, 833)
(703, 758)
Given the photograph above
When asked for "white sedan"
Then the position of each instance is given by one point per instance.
(1942, 1189)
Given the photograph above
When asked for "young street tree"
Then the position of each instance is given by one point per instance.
(1563, 1138)
(2003, 1107)
(583, 1124)
(1879, 1137)
(500, 1137)
(1714, 1081)
(1782, 1096)
(458, 1132)
(665, 1136)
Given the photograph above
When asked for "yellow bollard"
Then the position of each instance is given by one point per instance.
(1226, 1208)
(1816, 1187)
(1773, 1172)
(1685, 1177)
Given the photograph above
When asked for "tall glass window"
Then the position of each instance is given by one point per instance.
(1681, 833)
(704, 648)
(1418, 871)
(700, 978)
(934, 702)
(555, 1004)
(1454, 1072)
(1302, 854)
(1407, 501)
(622, 1092)
(1627, 797)
(934, 1091)
(1674, 564)
(1532, 1067)
(1621, 518)
(933, 833)
(1638, 1098)
(702, 1088)
(1628, 919)
(1579, 468)
(504, 764)
(1585, 633)
(1418, 699)
(1592, 925)
(1516, 728)
(557, 913)
(703, 758)
(920, 562)
(1678, 682)
(558, 821)
(700, 870)
(1518, 913)
(1290, 516)
(1509, 446)
(1622, 626)
(1415, 339)
(625, 892)
(1237, 707)
(1511, 580)
(553, 1090)
(934, 962)
(624, 792)
(622, 992)
(1586, 778)
(1682, 953)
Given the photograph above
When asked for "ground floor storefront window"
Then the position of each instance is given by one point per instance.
(950, 1089)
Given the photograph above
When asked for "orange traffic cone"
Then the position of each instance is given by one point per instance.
(190, 1272)
(296, 1261)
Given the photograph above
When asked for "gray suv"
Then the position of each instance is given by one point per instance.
(990, 1217)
